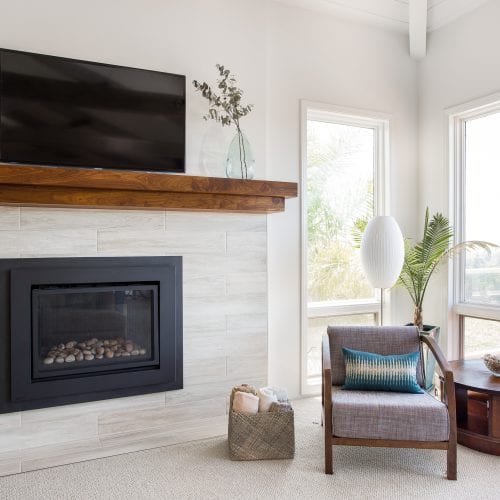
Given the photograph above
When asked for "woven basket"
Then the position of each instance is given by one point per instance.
(264, 436)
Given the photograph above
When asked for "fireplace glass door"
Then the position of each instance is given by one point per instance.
(86, 329)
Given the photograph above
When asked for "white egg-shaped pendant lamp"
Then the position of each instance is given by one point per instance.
(382, 252)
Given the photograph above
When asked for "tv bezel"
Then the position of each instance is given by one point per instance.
(98, 167)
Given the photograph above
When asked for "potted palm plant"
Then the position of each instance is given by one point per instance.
(423, 258)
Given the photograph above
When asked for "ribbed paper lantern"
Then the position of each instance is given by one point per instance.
(382, 251)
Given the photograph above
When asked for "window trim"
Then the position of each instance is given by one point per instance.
(380, 122)
(456, 118)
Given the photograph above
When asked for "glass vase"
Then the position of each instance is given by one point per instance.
(240, 161)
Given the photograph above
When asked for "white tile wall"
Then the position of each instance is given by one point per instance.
(225, 328)
(41, 219)
(148, 242)
(10, 218)
(43, 243)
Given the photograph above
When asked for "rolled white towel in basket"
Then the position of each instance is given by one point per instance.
(266, 399)
(245, 402)
(244, 388)
(280, 393)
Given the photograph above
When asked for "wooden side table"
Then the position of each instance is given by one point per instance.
(478, 405)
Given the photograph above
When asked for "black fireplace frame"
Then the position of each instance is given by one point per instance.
(20, 390)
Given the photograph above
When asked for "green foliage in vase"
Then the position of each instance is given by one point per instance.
(225, 107)
(423, 258)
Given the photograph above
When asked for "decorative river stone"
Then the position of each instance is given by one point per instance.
(92, 349)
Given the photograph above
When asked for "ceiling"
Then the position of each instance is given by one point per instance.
(391, 14)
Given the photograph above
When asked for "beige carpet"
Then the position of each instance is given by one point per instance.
(202, 470)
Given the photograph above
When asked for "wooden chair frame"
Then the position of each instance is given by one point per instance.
(449, 399)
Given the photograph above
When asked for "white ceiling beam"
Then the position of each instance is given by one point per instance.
(418, 28)
(446, 11)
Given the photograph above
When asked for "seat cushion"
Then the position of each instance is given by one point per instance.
(388, 415)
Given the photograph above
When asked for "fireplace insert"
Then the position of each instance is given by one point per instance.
(81, 329)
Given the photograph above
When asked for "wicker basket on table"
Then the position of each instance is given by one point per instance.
(264, 436)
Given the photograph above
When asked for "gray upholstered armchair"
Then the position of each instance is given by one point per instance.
(380, 418)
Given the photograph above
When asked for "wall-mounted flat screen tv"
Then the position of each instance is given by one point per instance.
(58, 111)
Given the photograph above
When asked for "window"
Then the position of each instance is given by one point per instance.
(479, 336)
(475, 327)
(342, 182)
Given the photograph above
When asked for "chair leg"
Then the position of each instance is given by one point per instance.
(451, 471)
(328, 453)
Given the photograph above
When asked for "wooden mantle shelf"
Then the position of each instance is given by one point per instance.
(95, 188)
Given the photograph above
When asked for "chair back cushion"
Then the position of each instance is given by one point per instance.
(384, 340)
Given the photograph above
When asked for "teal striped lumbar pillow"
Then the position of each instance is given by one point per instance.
(366, 371)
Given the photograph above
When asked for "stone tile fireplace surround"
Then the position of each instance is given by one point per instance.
(225, 328)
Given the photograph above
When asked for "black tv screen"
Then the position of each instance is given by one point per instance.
(58, 111)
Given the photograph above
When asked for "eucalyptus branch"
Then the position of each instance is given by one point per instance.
(224, 107)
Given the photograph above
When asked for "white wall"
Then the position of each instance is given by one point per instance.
(461, 65)
(321, 58)
(179, 36)
(280, 55)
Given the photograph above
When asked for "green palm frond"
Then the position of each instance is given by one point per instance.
(358, 228)
(470, 245)
(412, 272)
(428, 253)
(407, 279)
(360, 223)
(422, 259)
(436, 239)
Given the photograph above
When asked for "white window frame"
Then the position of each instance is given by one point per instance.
(380, 123)
(457, 307)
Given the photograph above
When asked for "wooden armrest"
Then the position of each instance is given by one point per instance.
(327, 361)
(326, 378)
(449, 385)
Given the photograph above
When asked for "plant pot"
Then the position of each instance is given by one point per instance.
(429, 361)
